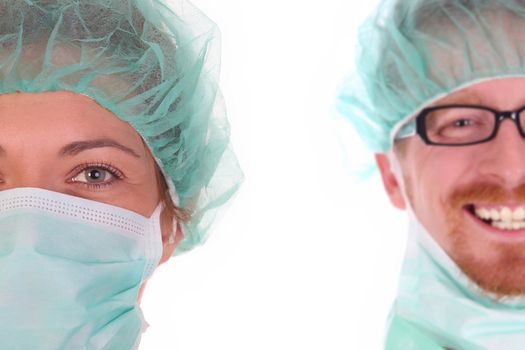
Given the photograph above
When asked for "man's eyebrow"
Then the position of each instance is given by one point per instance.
(74, 148)
(460, 97)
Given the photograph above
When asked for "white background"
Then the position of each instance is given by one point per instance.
(305, 257)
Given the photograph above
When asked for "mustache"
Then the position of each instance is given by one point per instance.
(485, 192)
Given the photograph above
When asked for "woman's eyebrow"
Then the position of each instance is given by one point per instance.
(76, 147)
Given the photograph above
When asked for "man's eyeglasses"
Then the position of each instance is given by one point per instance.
(461, 125)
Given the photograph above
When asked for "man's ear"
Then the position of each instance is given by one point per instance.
(392, 186)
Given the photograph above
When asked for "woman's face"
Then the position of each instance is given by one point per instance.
(66, 142)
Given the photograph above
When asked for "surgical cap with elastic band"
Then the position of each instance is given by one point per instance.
(413, 53)
(154, 64)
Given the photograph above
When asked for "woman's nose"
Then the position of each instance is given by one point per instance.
(26, 174)
(28, 183)
(503, 158)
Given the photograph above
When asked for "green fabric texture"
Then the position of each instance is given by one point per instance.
(413, 52)
(402, 335)
(405, 335)
(152, 63)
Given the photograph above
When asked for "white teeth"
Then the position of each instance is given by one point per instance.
(504, 225)
(500, 224)
(483, 213)
(518, 214)
(506, 214)
(505, 218)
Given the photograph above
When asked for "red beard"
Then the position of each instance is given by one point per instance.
(503, 274)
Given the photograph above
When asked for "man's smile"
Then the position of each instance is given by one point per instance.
(505, 218)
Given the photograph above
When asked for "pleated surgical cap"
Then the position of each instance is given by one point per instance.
(154, 64)
(413, 52)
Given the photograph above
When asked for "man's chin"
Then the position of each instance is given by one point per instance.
(503, 275)
(493, 259)
(488, 249)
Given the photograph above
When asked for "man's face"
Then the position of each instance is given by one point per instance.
(446, 186)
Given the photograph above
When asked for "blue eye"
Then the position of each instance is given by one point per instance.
(97, 172)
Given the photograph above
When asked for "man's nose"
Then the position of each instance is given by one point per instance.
(503, 158)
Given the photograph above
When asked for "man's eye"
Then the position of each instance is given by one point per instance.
(462, 122)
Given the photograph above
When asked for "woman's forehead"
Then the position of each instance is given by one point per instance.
(70, 115)
(56, 105)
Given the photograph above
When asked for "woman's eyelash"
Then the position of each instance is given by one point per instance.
(117, 174)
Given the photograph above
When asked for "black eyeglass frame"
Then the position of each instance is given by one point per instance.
(498, 115)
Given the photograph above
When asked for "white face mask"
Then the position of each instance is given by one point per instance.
(445, 306)
(70, 271)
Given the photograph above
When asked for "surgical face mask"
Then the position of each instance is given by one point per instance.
(444, 305)
(70, 271)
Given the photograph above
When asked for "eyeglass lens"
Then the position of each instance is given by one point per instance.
(461, 125)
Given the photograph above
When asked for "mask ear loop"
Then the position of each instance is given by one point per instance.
(173, 234)
(415, 227)
(419, 233)
(175, 198)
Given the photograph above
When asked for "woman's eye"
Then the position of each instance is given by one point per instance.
(93, 174)
(96, 176)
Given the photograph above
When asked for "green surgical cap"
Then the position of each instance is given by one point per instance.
(153, 64)
(413, 52)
